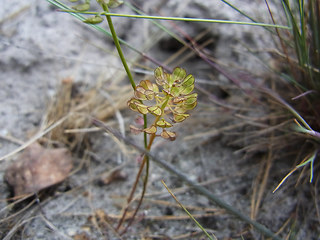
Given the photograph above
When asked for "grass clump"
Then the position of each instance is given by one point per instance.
(301, 49)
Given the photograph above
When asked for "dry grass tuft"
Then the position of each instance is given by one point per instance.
(80, 107)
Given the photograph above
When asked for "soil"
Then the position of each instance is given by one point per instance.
(40, 47)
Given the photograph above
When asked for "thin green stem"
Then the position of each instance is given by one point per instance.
(116, 42)
(146, 162)
(146, 158)
(206, 20)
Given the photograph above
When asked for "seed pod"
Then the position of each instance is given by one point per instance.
(132, 104)
(143, 109)
(161, 77)
(180, 117)
(114, 3)
(155, 110)
(191, 98)
(178, 75)
(168, 135)
(82, 7)
(151, 130)
(94, 20)
(163, 124)
(139, 93)
(135, 130)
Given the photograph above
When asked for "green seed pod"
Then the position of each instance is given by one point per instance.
(188, 81)
(191, 98)
(163, 124)
(178, 75)
(132, 104)
(94, 20)
(180, 117)
(155, 110)
(161, 77)
(139, 93)
(168, 135)
(143, 109)
(189, 106)
(114, 3)
(150, 130)
(175, 91)
(187, 90)
(82, 7)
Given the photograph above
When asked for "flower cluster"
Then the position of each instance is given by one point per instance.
(171, 97)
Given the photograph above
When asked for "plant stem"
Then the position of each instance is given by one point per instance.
(146, 162)
(131, 193)
(206, 20)
(146, 158)
(198, 188)
(145, 182)
(144, 189)
(116, 42)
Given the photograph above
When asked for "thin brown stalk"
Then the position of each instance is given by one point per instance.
(129, 199)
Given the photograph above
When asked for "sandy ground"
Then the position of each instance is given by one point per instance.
(40, 47)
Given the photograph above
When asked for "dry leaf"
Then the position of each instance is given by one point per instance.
(38, 168)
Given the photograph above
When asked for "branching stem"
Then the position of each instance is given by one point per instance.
(147, 147)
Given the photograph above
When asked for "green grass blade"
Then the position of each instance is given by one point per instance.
(238, 10)
(186, 211)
